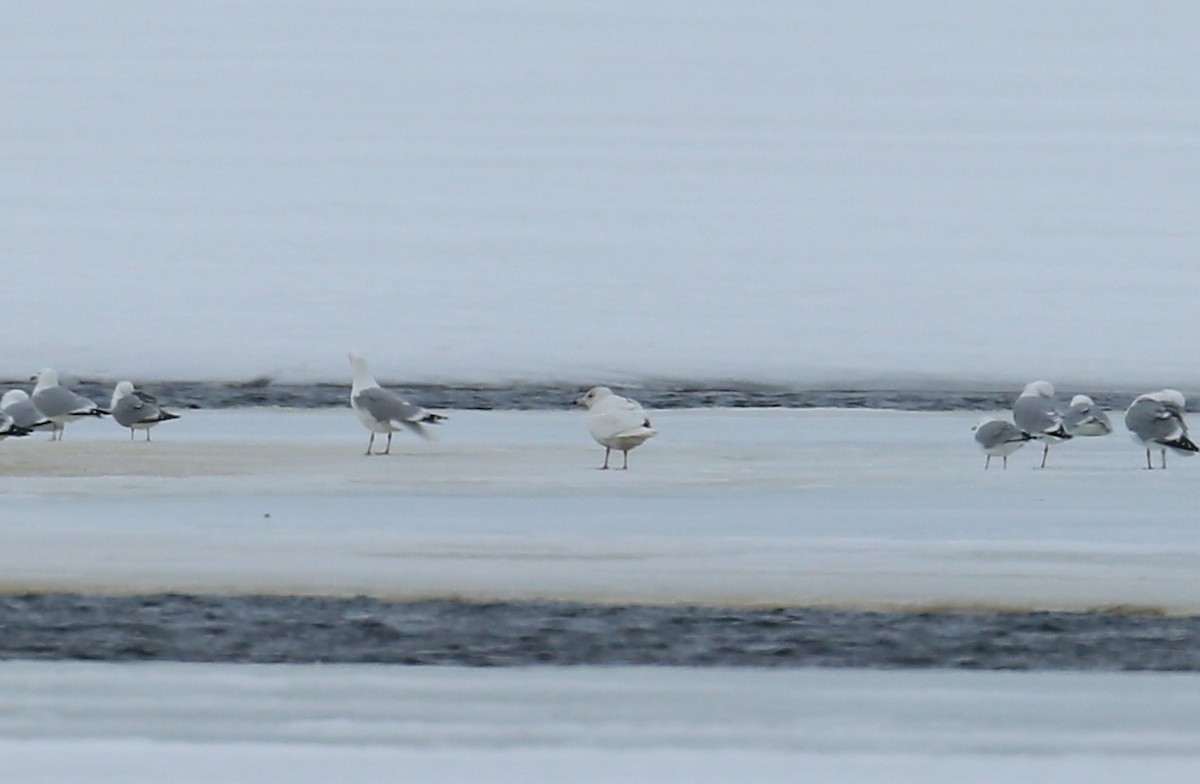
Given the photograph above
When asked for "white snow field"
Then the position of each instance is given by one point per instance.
(749, 507)
(798, 192)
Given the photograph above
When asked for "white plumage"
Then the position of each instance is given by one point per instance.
(616, 422)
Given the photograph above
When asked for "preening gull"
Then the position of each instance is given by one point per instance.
(999, 438)
(59, 404)
(137, 410)
(382, 411)
(17, 405)
(1085, 418)
(1037, 413)
(615, 422)
(1156, 419)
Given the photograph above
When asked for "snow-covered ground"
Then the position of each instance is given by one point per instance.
(773, 191)
(128, 724)
(760, 507)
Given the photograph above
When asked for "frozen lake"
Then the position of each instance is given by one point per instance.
(863, 195)
(751, 507)
(129, 724)
(747, 507)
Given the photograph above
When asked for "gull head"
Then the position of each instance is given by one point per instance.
(1038, 389)
(1082, 400)
(1169, 396)
(983, 421)
(594, 396)
(14, 396)
(362, 376)
(46, 377)
(121, 391)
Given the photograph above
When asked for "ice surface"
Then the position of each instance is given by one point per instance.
(599, 192)
(748, 507)
(202, 723)
(774, 191)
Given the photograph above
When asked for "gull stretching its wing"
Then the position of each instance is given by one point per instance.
(382, 411)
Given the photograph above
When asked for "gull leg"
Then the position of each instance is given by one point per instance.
(147, 435)
(1149, 465)
(1045, 451)
(625, 465)
(388, 449)
(1164, 457)
(604, 467)
(371, 443)
(987, 462)
(131, 434)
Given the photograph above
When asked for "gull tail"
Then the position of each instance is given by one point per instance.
(164, 416)
(417, 426)
(642, 431)
(1183, 445)
(418, 429)
(16, 430)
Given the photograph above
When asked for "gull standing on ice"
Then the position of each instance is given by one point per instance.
(59, 404)
(999, 438)
(1085, 418)
(1037, 413)
(382, 411)
(137, 410)
(17, 405)
(615, 422)
(1156, 419)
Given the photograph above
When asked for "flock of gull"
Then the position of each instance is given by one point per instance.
(1155, 420)
(51, 406)
(615, 422)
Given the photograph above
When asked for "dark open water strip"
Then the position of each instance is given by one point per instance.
(263, 392)
(207, 628)
(183, 394)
